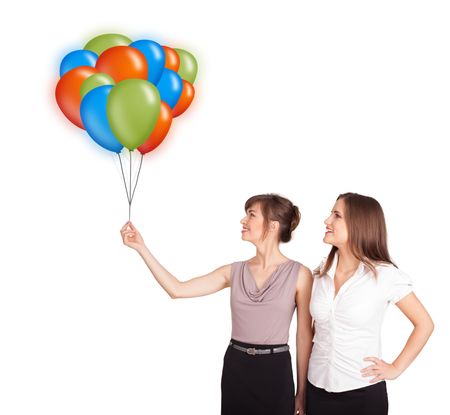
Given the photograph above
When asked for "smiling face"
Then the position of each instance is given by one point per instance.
(336, 233)
(253, 224)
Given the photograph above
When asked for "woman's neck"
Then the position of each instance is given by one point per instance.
(346, 261)
(268, 254)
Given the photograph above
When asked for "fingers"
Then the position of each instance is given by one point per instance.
(125, 227)
(377, 369)
(372, 359)
(128, 235)
(377, 379)
(368, 369)
(373, 372)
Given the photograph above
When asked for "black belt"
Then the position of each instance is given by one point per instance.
(252, 351)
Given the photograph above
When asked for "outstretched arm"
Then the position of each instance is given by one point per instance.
(195, 287)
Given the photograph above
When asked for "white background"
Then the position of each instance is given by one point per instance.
(307, 99)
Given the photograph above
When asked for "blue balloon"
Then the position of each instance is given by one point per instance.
(95, 120)
(170, 87)
(77, 58)
(155, 56)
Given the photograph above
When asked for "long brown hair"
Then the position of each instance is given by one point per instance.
(367, 234)
(277, 208)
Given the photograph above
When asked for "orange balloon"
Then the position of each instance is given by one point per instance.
(172, 59)
(160, 131)
(123, 62)
(68, 95)
(187, 95)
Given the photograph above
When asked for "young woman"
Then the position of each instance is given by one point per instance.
(257, 373)
(351, 291)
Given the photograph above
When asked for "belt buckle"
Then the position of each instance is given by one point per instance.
(251, 351)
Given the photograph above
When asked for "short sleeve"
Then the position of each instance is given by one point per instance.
(399, 285)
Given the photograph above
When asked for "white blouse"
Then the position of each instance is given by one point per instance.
(348, 327)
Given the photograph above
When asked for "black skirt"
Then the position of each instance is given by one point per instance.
(257, 384)
(370, 400)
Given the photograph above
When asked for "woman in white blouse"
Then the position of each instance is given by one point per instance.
(351, 291)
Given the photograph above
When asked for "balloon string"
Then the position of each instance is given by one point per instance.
(123, 176)
(137, 178)
(130, 199)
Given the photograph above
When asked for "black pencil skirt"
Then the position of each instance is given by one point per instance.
(370, 400)
(257, 384)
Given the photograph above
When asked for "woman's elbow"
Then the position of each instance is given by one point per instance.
(175, 294)
(430, 326)
(426, 326)
(175, 291)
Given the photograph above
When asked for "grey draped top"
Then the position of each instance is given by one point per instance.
(263, 316)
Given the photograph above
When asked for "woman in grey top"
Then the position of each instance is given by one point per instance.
(265, 290)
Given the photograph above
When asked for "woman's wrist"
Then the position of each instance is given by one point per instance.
(142, 250)
(300, 394)
(399, 368)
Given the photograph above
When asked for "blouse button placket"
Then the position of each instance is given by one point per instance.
(332, 332)
(331, 339)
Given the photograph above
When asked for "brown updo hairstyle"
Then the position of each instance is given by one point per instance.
(276, 208)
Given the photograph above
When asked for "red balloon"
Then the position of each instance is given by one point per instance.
(123, 62)
(160, 131)
(68, 95)
(187, 95)
(172, 59)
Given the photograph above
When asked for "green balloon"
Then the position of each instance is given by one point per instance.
(132, 109)
(188, 65)
(100, 43)
(98, 79)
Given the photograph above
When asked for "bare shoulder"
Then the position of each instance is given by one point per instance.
(304, 273)
(304, 278)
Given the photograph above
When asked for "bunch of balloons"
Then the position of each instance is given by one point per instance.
(125, 93)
